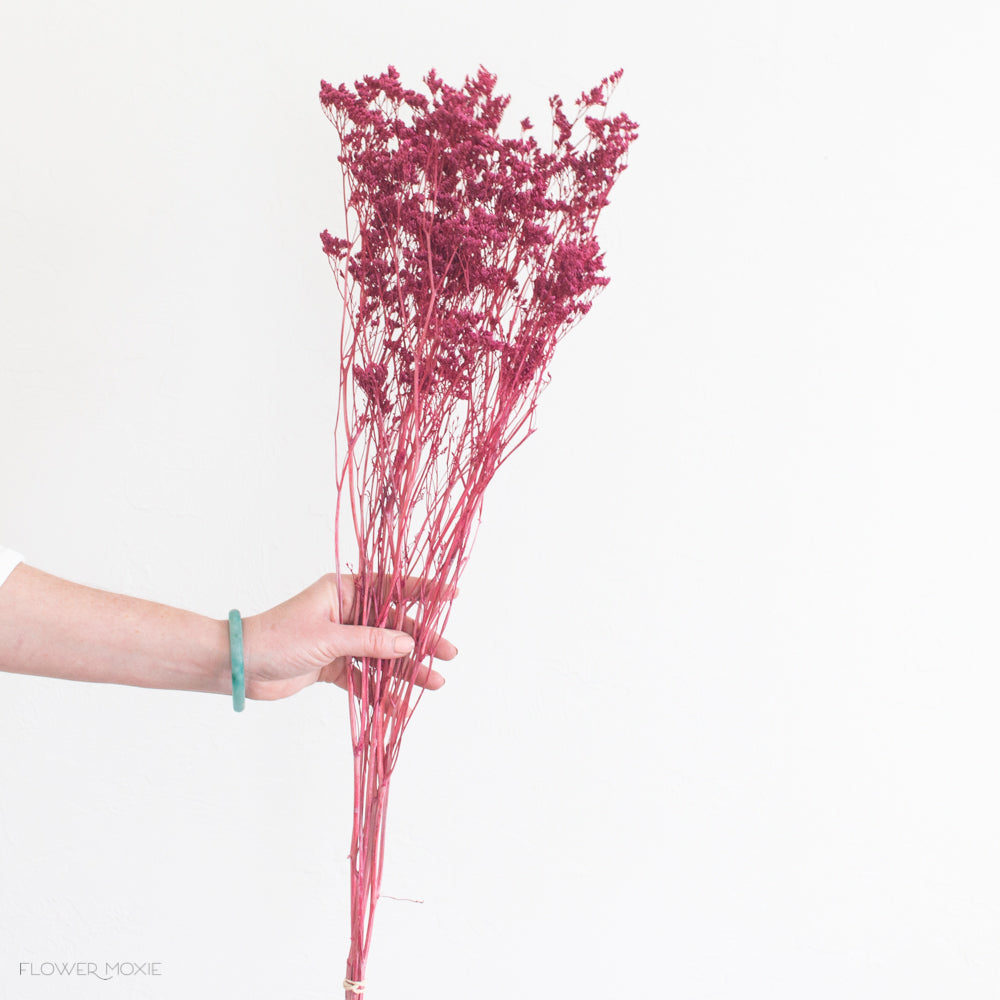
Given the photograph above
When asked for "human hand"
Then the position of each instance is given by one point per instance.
(303, 641)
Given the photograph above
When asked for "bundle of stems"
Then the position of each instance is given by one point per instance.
(466, 258)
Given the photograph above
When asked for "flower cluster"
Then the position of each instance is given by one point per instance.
(465, 247)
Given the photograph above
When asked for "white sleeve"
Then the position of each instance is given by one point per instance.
(8, 560)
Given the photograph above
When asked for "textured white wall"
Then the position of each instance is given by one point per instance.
(723, 721)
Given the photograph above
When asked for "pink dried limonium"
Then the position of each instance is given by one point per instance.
(466, 258)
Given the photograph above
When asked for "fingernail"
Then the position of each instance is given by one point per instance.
(403, 644)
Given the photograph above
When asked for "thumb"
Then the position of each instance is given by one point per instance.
(365, 640)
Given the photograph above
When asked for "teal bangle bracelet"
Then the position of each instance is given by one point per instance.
(236, 660)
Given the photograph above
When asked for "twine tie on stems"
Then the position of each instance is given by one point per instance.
(354, 986)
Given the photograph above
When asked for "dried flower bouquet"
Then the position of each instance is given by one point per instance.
(466, 258)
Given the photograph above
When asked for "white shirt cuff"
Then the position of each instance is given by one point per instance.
(8, 560)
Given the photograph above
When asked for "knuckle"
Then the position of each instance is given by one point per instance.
(375, 641)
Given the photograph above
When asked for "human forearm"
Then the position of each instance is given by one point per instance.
(53, 628)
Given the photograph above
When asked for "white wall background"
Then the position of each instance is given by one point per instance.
(723, 721)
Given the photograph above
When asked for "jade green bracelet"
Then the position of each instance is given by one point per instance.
(236, 660)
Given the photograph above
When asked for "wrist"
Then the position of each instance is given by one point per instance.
(204, 664)
(252, 652)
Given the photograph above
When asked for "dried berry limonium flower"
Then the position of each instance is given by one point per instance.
(466, 258)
